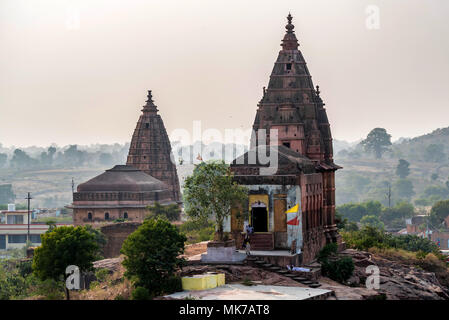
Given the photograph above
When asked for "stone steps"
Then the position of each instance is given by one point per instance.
(262, 241)
(297, 276)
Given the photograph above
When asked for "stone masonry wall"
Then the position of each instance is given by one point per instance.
(115, 234)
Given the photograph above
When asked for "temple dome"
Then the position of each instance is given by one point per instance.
(123, 178)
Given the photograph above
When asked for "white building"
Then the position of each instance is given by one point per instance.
(14, 229)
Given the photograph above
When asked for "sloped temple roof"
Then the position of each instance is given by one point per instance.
(122, 178)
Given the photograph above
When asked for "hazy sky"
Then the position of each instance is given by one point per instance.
(78, 71)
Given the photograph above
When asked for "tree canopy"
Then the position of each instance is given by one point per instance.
(172, 211)
(402, 169)
(152, 254)
(439, 212)
(378, 141)
(211, 192)
(64, 246)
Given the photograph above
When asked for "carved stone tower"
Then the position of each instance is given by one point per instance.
(150, 149)
(292, 105)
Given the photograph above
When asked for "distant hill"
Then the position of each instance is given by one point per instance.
(419, 147)
(365, 178)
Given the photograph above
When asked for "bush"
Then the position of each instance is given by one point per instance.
(173, 284)
(197, 231)
(140, 293)
(369, 237)
(339, 270)
(328, 250)
(172, 212)
(152, 255)
(102, 274)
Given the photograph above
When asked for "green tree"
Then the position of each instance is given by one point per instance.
(47, 157)
(435, 153)
(403, 189)
(402, 169)
(172, 211)
(395, 216)
(211, 192)
(438, 191)
(434, 177)
(439, 212)
(355, 211)
(372, 221)
(21, 160)
(73, 156)
(62, 247)
(378, 141)
(152, 254)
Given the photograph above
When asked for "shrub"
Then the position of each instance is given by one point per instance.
(369, 237)
(327, 251)
(197, 231)
(152, 255)
(101, 274)
(173, 284)
(172, 211)
(339, 270)
(140, 293)
(62, 247)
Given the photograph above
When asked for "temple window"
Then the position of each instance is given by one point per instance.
(125, 215)
(286, 144)
(106, 216)
(147, 125)
(89, 215)
(289, 66)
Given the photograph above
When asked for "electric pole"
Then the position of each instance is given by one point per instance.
(28, 233)
(73, 186)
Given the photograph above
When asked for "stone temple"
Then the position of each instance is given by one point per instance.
(150, 149)
(305, 171)
(125, 191)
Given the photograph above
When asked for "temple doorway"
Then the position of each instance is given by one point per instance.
(259, 217)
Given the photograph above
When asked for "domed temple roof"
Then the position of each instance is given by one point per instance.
(122, 178)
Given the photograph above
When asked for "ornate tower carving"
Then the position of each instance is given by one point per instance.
(150, 149)
(292, 105)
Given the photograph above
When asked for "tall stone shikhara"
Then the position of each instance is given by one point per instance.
(305, 172)
(150, 149)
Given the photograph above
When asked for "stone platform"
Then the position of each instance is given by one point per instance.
(222, 252)
(256, 292)
(279, 258)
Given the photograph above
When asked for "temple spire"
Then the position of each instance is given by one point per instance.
(150, 106)
(290, 42)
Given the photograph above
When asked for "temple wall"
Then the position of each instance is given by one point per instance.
(115, 235)
(80, 216)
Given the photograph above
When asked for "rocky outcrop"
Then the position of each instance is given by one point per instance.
(398, 280)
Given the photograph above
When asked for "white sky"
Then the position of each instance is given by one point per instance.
(69, 80)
